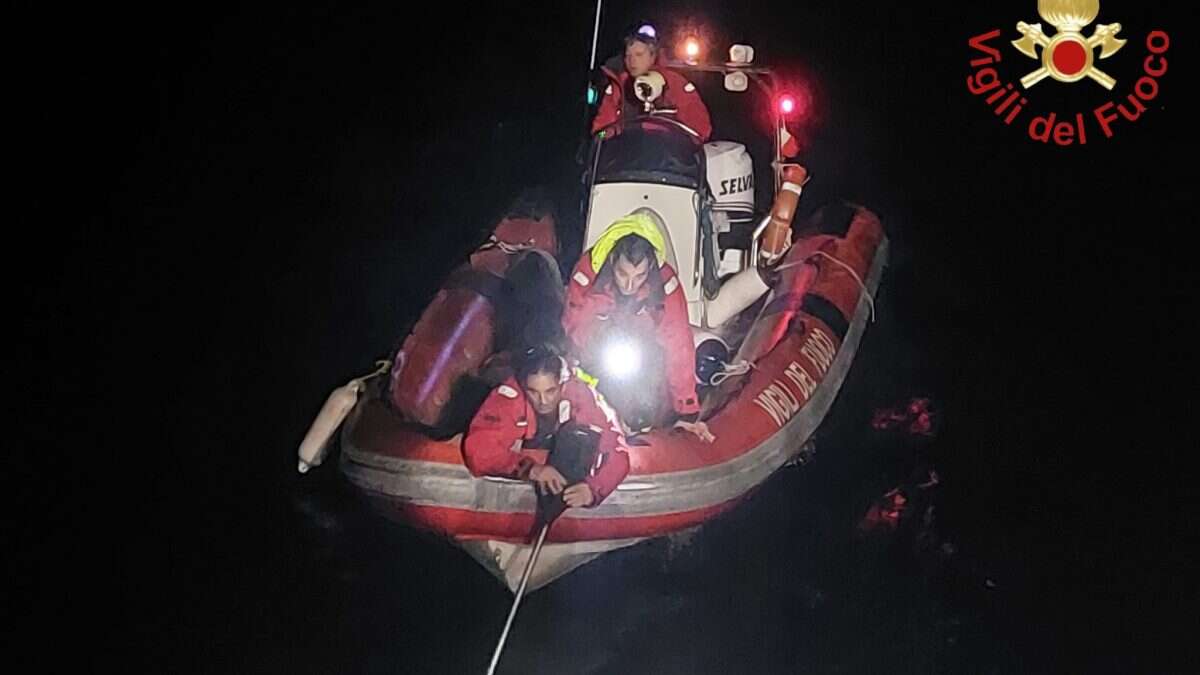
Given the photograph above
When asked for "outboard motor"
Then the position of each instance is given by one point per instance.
(731, 184)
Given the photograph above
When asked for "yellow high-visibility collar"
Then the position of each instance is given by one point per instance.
(634, 223)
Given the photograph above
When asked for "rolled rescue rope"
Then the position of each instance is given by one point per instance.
(341, 401)
(778, 236)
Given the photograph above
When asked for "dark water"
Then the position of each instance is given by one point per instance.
(271, 195)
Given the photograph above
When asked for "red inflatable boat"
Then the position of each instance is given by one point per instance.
(675, 481)
(793, 343)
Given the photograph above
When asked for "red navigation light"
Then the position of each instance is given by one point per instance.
(787, 104)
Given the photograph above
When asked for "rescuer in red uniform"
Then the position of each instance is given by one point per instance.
(623, 287)
(508, 434)
(679, 95)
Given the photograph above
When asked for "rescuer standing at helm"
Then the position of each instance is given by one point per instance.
(678, 94)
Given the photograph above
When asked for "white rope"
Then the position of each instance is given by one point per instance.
(595, 36)
(870, 300)
(512, 613)
(514, 248)
(735, 369)
(381, 367)
(506, 247)
(861, 285)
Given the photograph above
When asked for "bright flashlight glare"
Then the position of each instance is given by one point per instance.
(692, 48)
(622, 359)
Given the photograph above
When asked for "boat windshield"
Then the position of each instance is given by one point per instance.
(650, 150)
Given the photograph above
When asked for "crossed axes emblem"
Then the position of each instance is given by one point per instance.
(1074, 52)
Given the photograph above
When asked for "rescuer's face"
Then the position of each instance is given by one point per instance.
(544, 392)
(639, 58)
(630, 278)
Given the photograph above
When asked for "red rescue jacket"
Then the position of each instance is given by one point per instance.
(494, 442)
(679, 94)
(589, 309)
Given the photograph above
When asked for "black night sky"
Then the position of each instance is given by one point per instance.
(234, 209)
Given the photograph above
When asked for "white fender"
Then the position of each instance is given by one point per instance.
(316, 442)
(341, 401)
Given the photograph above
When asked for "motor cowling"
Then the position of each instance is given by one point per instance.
(730, 177)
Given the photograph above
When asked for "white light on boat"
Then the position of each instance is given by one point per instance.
(736, 81)
(622, 359)
(741, 54)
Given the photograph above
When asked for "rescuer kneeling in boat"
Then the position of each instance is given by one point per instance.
(515, 426)
(627, 320)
